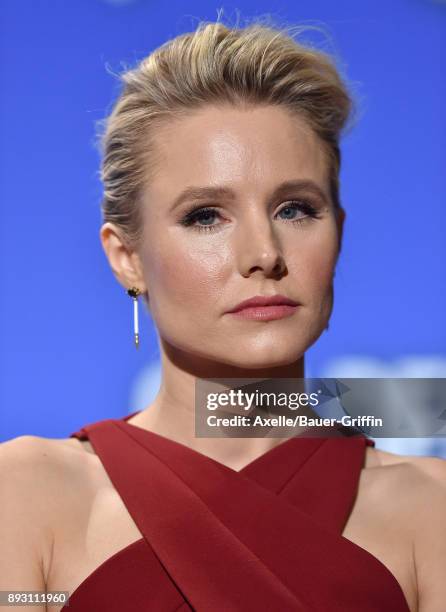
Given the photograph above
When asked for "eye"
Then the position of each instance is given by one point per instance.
(202, 218)
(295, 206)
(204, 215)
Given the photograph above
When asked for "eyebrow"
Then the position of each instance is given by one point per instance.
(282, 190)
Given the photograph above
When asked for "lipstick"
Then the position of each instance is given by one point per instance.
(265, 308)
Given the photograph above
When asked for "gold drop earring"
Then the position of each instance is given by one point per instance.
(133, 292)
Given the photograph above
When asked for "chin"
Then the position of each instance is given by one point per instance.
(254, 358)
(280, 349)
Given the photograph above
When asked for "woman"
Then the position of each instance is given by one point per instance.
(220, 172)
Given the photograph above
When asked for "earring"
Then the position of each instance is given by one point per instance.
(133, 292)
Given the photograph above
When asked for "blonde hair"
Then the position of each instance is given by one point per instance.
(215, 64)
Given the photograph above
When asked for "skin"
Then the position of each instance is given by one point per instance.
(257, 245)
(60, 516)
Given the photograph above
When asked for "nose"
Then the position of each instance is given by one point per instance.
(259, 249)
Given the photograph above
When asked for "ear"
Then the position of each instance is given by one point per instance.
(340, 218)
(125, 262)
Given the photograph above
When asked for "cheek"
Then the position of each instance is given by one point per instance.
(183, 271)
(313, 261)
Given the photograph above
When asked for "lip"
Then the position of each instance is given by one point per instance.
(265, 308)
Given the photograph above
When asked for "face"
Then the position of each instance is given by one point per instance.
(252, 233)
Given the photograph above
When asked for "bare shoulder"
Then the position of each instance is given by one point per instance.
(430, 537)
(37, 471)
(416, 487)
(39, 479)
(408, 477)
(38, 461)
(433, 466)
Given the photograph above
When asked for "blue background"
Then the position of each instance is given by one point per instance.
(67, 353)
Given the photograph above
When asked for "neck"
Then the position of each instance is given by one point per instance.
(172, 413)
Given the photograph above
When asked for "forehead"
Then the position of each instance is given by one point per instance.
(245, 148)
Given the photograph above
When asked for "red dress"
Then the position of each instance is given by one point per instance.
(265, 538)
